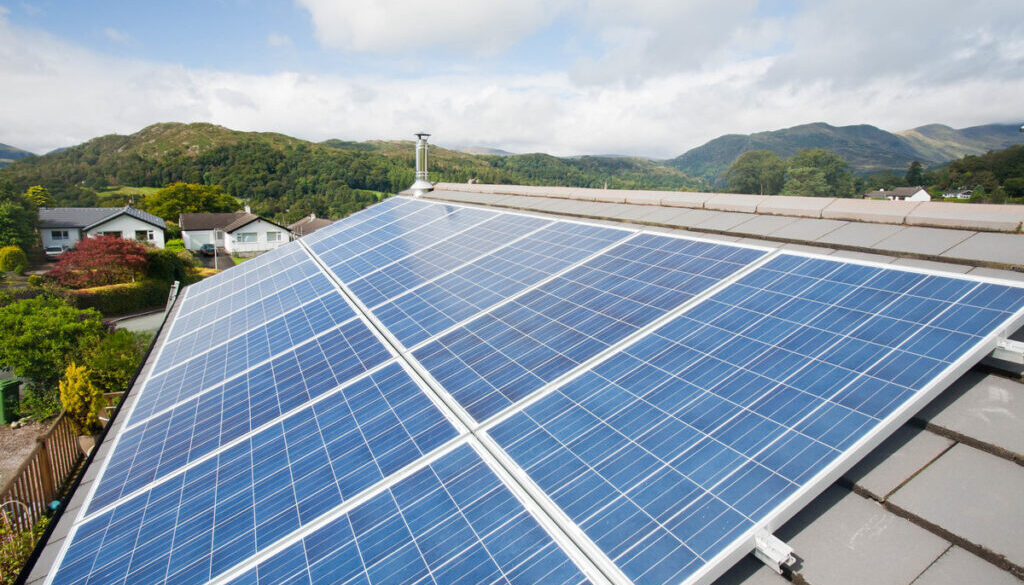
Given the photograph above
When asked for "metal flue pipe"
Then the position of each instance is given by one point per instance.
(422, 184)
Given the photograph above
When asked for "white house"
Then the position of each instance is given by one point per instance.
(238, 233)
(64, 226)
(917, 193)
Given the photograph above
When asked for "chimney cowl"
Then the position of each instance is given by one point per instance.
(422, 184)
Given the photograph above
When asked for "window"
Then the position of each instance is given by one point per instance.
(218, 235)
(246, 237)
(59, 235)
(118, 234)
(144, 235)
(273, 236)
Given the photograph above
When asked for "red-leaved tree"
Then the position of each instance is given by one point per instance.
(99, 261)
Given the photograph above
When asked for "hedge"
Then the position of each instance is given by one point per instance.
(120, 299)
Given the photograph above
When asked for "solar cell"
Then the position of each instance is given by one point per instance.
(451, 522)
(678, 444)
(703, 389)
(506, 354)
(196, 524)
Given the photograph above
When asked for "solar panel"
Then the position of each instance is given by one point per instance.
(426, 392)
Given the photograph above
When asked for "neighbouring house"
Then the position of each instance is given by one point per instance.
(64, 226)
(239, 233)
(917, 193)
(308, 225)
(958, 194)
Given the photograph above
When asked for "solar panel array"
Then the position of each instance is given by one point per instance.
(432, 393)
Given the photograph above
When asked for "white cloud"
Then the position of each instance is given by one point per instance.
(59, 94)
(116, 35)
(278, 40)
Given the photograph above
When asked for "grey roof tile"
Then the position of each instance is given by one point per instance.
(922, 240)
(724, 220)
(691, 200)
(844, 539)
(762, 225)
(861, 235)
(998, 218)
(996, 273)
(985, 407)
(689, 217)
(808, 229)
(751, 571)
(795, 206)
(973, 495)
(870, 211)
(959, 567)
(931, 265)
(735, 202)
(880, 258)
(990, 247)
(85, 217)
(896, 460)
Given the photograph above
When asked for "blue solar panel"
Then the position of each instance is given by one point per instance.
(171, 438)
(450, 523)
(430, 309)
(513, 350)
(278, 439)
(411, 271)
(673, 447)
(197, 524)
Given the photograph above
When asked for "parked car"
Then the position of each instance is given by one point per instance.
(207, 250)
(53, 252)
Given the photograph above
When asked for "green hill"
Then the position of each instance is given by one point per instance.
(9, 154)
(868, 149)
(285, 178)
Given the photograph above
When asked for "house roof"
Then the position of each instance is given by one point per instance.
(308, 225)
(895, 192)
(208, 221)
(246, 219)
(939, 501)
(89, 217)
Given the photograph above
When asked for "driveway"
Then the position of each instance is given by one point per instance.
(223, 259)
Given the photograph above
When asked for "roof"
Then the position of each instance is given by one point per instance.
(208, 221)
(924, 504)
(308, 225)
(939, 501)
(89, 217)
(894, 192)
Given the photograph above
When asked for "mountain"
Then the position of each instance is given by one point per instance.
(481, 150)
(9, 154)
(868, 149)
(285, 178)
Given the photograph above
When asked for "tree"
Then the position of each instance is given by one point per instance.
(757, 171)
(18, 218)
(42, 335)
(101, 260)
(82, 399)
(915, 174)
(816, 172)
(39, 196)
(179, 198)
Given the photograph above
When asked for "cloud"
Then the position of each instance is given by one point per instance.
(279, 40)
(58, 93)
(116, 35)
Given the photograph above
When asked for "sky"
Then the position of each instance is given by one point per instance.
(640, 77)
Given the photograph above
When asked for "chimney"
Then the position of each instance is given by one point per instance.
(422, 184)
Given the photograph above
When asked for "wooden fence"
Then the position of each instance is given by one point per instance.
(27, 495)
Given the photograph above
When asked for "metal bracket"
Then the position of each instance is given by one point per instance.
(772, 551)
(1009, 350)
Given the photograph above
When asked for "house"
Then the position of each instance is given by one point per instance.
(917, 193)
(308, 225)
(241, 232)
(961, 194)
(64, 226)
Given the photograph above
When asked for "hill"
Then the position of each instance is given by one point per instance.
(285, 178)
(480, 150)
(9, 154)
(868, 149)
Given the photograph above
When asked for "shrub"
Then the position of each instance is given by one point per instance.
(121, 299)
(15, 548)
(99, 261)
(115, 359)
(35, 281)
(165, 265)
(176, 245)
(13, 259)
(82, 399)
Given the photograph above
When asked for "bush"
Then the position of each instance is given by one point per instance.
(175, 245)
(82, 399)
(116, 358)
(13, 259)
(121, 299)
(165, 265)
(35, 281)
(15, 548)
(39, 403)
(99, 261)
